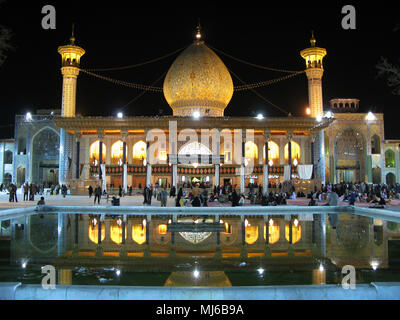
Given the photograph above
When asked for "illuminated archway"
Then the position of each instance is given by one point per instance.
(94, 230)
(139, 233)
(94, 152)
(251, 234)
(296, 152)
(116, 231)
(273, 152)
(296, 231)
(251, 151)
(273, 232)
(117, 152)
(139, 151)
(194, 148)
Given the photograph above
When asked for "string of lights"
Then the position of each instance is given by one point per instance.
(143, 92)
(253, 64)
(124, 83)
(266, 83)
(259, 95)
(139, 86)
(137, 64)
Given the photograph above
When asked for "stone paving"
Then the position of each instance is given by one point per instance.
(137, 200)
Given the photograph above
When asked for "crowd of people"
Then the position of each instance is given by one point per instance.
(29, 190)
(200, 194)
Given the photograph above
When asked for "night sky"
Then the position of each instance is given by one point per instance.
(123, 33)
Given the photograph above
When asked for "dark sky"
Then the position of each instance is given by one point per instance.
(122, 33)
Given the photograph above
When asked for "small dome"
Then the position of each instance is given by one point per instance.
(198, 81)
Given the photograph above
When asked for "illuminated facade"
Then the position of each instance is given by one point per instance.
(138, 151)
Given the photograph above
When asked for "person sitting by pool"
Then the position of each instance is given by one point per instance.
(352, 199)
(241, 201)
(41, 201)
(312, 202)
(115, 201)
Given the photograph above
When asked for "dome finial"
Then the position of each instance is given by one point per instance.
(312, 40)
(72, 39)
(198, 28)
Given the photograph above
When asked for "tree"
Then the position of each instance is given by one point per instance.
(5, 45)
(390, 70)
(392, 73)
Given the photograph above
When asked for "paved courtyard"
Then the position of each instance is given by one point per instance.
(137, 200)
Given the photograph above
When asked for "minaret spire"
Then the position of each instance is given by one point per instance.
(312, 40)
(72, 39)
(198, 28)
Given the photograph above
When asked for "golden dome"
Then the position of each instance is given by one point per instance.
(198, 81)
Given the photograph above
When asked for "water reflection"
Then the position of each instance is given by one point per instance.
(224, 247)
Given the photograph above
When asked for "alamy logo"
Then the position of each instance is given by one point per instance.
(49, 20)
(349, 20)
(349, 280)
(49, 280)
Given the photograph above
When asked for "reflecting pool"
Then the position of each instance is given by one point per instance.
(198, 250)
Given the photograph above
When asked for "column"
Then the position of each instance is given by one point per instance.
(320, 163)
(265, 167)
(312, 155)
(148, 165)
(175, 176)
(124, 134)
(100, 134)
(289, 136)
(218, 152)
(86, 158)
(28, 152)
(77, 137)
(66, 147)
(242, 169)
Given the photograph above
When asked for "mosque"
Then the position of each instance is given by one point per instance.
(198, 143)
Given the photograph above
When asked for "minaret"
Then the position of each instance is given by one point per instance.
(70, 58)
(314, 70)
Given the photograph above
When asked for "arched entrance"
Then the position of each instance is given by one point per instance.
(376, 175)
(20, 176)
(192, 174)
(390, 179)
(45, 156)
(349, 156)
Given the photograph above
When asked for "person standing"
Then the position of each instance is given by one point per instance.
(26, 191)
(149, 194)
(145, 195)
(179, 196)
(235, 198)
(90, 189)
(11, 191)
(120, 191)
(163, 197)
(97, 194)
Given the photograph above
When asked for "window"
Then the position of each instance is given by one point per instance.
(390, 161)
(117, 152)
(139, 150)
(295, 152)
(94, 152)
(273, 152)
(8, 157)
(375, 145)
